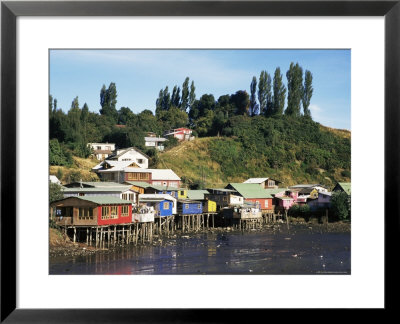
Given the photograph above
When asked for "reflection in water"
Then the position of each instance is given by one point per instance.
(264, 252)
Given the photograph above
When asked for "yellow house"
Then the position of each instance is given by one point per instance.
(182, 193)
(209, 206)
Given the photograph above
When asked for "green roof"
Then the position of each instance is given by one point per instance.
(141, 184)
(250, 190)
(104, 200)
(98, 189)
(346, 186)
(197, 194)
(272, 192)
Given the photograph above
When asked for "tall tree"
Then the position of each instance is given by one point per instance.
(192, 94)
(108, 101)
(185, 95)
(253, 98)
(159, 101)
(241, 102)
(268, 91)
(279, 93)
(295, 89)
(262, 88)
(175, 98)
(50, 105)
(166, 101)
(307, 93)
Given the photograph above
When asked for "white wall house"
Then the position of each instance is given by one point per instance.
(133, 155)
(156, 142)
(101, 151)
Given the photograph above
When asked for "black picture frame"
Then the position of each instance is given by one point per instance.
(10, 10)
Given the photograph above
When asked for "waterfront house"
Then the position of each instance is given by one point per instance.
(189, 207)
(164, 205)
(265, 183)
(143, 214)
(247, 211)
(95, 210)
(322, 202)
(162, 177)
(121, 192)
(209, 206)
(254, 193)
(225, 197)
(317, 186)
(101, 151)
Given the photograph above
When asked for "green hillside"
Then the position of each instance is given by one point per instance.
(292, 150)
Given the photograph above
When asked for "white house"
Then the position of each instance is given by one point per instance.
(133, 155)
(156, 142)
(102, 151)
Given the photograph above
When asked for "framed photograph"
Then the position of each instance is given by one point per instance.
(338, 61)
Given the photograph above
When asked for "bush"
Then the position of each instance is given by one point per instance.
(340, 205)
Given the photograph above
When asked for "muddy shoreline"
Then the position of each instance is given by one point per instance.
(63, 247)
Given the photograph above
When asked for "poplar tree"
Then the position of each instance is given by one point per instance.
(262, 91)
(253, 98)
(185, 95)
(159, 101)
(192, 94)
(279, 93)
(307, 93)
(295, 89)
(268, 108)
(166, 100)
(175, 98)
(108, 101)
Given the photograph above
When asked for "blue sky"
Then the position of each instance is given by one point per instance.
(140, 74)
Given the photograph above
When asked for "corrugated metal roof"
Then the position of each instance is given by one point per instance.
(99, 189)
(256, 180)
(143, 197)
(155, 139)
(141, 184)
(250, 190)
(104, 200)
(189, 201)
(346, 186)
(272, 192)
(197, 194)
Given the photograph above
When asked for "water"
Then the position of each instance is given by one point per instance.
(300, 251)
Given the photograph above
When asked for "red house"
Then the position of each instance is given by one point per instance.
(92, 211)
(182, 134)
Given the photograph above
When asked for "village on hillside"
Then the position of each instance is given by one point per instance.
(133, 202)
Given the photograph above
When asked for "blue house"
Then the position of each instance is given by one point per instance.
(162, 204)
(189, 207)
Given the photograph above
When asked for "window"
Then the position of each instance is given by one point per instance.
(124, 196)
(105, 212)
(81, 194)
(132, 176)
(166, 205)
(114, 212)
(225, 198)
(99, 148)
(140, 161)
(85, 213)
(144, 176)
(125, 211)
(186, 206)
(182, 193)
(266, 203)
(198, 206)
(131, 197)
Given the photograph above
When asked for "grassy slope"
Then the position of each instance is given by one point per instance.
(190, 159)
(80, 169)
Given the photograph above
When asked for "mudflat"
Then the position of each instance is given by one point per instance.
(299, 249)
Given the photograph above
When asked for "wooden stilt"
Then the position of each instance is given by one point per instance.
(74, 234)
